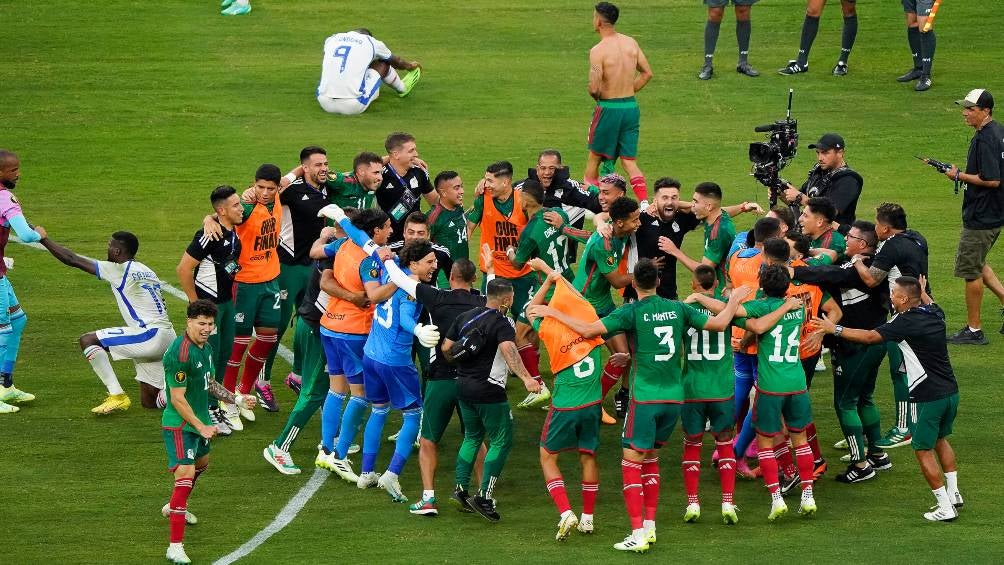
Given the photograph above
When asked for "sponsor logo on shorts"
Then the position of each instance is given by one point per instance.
(191, 454)
(239, 317)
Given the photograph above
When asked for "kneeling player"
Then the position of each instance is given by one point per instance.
(148, 331)
(187, 429)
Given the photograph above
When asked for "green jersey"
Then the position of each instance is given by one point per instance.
(346, 192)
(656, 327)
(190, 367)
(780, 368)
(478, 209)
(540, 239)
(710, 375)
(832, 239)
(449, 229)
(718, 238)
(577, 385)
(818, 260)
(600, 258)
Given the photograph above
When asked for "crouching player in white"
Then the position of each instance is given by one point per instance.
(355, 64)
(148, 331)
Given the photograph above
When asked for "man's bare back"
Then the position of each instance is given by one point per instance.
(617, 67)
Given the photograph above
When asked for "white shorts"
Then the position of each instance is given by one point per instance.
(144, 346)
(353, 106)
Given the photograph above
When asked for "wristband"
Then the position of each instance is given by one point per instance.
(837, 330)
(290, 177)
(958, 173)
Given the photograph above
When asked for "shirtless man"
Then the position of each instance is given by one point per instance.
(617, 69)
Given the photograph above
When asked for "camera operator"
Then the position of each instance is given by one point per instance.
(830, 178)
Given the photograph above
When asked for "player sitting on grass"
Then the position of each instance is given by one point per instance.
(148, 331)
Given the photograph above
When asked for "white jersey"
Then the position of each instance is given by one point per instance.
(137, 291)
(347, 57)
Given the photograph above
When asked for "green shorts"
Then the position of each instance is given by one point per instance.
(721, 413)
(931, 421)
(723, 3)
(648, 426)
(256, 305)
(578, 428)
(768, 410)
(523, 290)
(439, 402)
(971, 255)
(308, 348)
(183, 447)
(613, 132)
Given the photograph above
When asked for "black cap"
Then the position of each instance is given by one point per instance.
(828, 141)
(977, 98)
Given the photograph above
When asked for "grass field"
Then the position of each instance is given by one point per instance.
(127, 113)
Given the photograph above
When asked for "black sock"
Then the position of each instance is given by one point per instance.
(847, 37)
(928, 42)
(711, 30)
(743, 28)
(913, 38)
(809, 28)
(6, 380)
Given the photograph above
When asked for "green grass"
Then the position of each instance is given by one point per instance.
(127, 113)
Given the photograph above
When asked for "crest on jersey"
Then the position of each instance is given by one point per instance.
(374, 273)
(610, 260)
(180, 377)
(410, 298)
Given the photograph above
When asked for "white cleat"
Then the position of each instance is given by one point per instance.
(246, 413)
(353, 449)
(343, 468)
(280, 459)
(368, 480)
(13, 395)
(631, 543)
(585, 525)
(219, 419)
(190, 518)
(389, 482)
(176, 554)
(729, 513)
(535, 399)
(233, 416)
(777, 509)
(692, 513)
(808, 506)
(940, 514)
(566, 524)
(842, 444)
(7, 408)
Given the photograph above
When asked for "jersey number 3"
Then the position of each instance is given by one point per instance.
(665, 335)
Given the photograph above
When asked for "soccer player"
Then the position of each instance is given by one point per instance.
(351, 189)
(716, 9)
(188, 371)
(404, 182)
(484, 406)
(617, 70)
(719, 232)
(447, 225)
(817, 221)
(207, 270)
(922, 43)
(256, 295)
(709, 390)
(416, 230)
(12, 317)
(919, 330)
(147, 333)
(354, 66)
(813, 10)
(573, 421)
(657, 327)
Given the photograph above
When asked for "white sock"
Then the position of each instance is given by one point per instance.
(567, 513)
(974, 330)
(586, 517)
(952, 482)
(428, 494)
(806, 491)
(243, 2)
(393, 80)
(648, 525)
(98, 358)
(941, 495)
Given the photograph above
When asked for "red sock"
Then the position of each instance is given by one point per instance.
(639, 188)
(234, 363)
(262, 346)
(768, 468)
(179, 506)
(633, 498)
(726, 469)
(611, 374)
(650, 486)
(531, 360)
(556, 488)
(784, 460)
(810, 435)
(691, 467)
(589, 492)
(803, 454)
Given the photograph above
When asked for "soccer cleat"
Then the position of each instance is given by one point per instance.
(788, 483)
(246, 413)
(226, 4)
(190, 518)
(294, 383)
(409, 81)
(343, 468)
(729, 514)
(461, 499)
(957, 500)
(743, 468)
(893, 438)
(747, 69)
(566, 524)
(819, 469)
(692, 513)
(368, 480)
(388, 482)
(650, 536)
(237, 10)
(585, 525)
(485, 507)
(424, 507)
(820, 365)
(911, 75)
(808, 507)
(176, 554)
(842, 444)
(925, 84)
(11, 395)
(965, 336)
(265, 397)
(631, 543)
(606, 419)
(280, 459)
(7, 408)
(839, 70)
(752, 451)
(777, 509)
(707, 71)
(112, 403)
(793, 68)
(219, 420)
(880, 461)
(621, 402)
(535, 399)
(393, 437)
(855, 474)
(233, 416)
(321, 461)
(939, 514)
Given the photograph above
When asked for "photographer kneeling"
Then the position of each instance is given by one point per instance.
(830, 178)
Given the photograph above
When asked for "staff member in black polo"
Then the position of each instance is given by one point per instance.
(830, 178)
